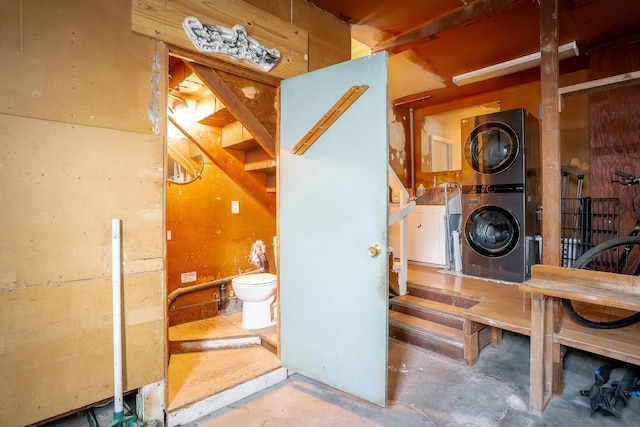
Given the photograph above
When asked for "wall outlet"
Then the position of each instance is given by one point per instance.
(168, 234)
(235, 206)
(188, 277)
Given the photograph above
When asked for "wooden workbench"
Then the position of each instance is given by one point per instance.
(550, 333)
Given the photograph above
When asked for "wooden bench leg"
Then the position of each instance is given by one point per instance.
(471, 342)
(496, 336)
(558, 360)
(541, 353)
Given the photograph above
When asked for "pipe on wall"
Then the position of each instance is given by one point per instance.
(207, 285)
(260, 259)
(411, 149)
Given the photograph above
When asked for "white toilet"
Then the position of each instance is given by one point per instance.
(257, 292)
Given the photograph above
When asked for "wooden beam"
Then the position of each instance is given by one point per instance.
(467, 14)
(240, 111)
(541, 359)
(163, 20)
(550, 132)
(189, 56)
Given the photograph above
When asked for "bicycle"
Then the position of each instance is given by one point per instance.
(620, 255)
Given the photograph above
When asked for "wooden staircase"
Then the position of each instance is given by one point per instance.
(236, 123)
(432, 318)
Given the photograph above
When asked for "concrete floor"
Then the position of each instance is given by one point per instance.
(425, 389)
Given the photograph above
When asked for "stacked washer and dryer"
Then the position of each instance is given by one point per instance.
(501, 197)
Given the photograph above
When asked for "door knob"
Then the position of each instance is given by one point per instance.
(374, 250)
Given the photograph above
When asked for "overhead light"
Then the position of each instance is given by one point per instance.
(512, 66)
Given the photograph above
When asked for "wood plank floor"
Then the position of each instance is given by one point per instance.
(472, 287)
(193, 376)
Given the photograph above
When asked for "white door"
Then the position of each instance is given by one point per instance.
(333, 203)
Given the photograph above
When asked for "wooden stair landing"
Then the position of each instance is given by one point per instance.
(194, 376)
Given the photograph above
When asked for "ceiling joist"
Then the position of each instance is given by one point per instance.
(480, 9)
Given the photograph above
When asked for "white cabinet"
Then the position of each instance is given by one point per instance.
(426, 235)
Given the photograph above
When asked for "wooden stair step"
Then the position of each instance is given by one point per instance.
(200, 383)
(267, 166)
(429, 335)
(448, 315)
(212, 372)
(425, 325)
(258, 160)
(220, 118)
(441, 295)
(236, 136)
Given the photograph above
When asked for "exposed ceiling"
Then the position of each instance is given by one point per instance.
(430, 41)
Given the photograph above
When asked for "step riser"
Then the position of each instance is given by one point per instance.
(272, 347)
(449, 349)
(432, 316)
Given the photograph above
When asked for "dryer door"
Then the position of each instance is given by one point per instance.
(491, 148)
(492, 231)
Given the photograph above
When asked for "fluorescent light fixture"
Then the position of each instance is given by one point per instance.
(512, 66)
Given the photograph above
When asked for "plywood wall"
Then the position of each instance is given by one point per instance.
(329, 38)
(615, 125)
(82, 128)
(80, 145)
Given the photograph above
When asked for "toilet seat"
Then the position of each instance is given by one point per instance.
(259, 279)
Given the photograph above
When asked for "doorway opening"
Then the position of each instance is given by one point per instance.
(220, 200)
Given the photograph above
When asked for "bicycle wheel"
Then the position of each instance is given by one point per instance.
(620, 256)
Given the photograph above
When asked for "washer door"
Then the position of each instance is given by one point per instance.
(491, 148)
(492, 231)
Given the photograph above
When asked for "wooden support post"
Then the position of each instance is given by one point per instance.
(496, 336)
(558, 360)
(550, 136)
(471, 342)
(541, 369)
